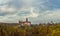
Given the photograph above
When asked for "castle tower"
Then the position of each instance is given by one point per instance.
(28, 23)
(26, 19)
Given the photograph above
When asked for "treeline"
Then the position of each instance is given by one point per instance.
(33, 30)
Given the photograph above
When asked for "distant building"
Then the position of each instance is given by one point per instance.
(23, 23)
(28, 23)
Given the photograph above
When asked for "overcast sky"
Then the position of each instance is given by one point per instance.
(37, 11)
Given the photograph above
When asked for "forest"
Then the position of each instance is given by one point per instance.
(33, 30)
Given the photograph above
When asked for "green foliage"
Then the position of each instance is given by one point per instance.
(39, 30)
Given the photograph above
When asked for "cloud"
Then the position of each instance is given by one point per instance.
(49, 16)
(30, 12)
(36, 10)
(3, 1)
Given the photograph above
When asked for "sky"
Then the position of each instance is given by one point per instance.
(37, 11)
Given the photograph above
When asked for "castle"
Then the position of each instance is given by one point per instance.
(28, 23)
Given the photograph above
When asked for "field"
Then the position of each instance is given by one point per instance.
(33, 30)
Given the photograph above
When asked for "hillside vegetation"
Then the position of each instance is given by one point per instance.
(33, 30)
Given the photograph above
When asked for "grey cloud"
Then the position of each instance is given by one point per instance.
(40, 7)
